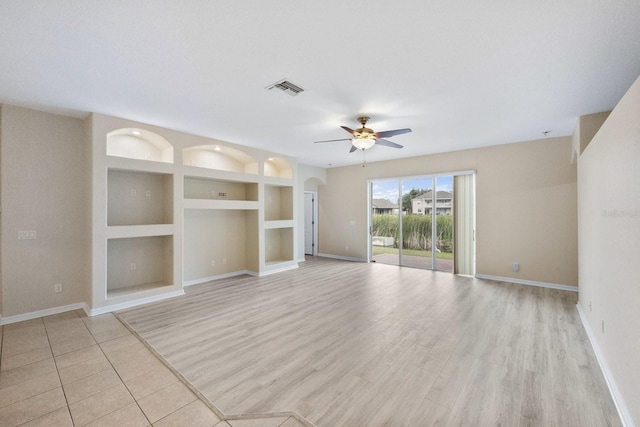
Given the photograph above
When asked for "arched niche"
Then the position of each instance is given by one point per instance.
(312, 184)
(220, 157)
(277, 167)
(139, 144)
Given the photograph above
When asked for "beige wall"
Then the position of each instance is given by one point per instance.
(609, 244)
(44, 182)
(526, 207)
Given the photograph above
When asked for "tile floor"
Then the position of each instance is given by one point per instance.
(72, 370)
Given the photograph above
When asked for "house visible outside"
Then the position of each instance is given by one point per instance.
(384, 206)
(423, 203)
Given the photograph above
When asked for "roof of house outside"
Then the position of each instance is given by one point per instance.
(383, 204)
(439, 195)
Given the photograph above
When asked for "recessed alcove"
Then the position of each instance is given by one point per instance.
(277, 167)
(139, 144)
(220, 157)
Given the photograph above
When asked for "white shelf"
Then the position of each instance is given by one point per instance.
(132, 231)
(125, 164)
(285, 223)
(221, 175)
(137, 289)
(220, 204)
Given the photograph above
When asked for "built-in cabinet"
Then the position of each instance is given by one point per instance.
(172, 209)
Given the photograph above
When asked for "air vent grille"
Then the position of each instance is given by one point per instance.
(287, 87)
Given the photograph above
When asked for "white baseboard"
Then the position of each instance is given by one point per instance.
(218, 277)
(528, 282)
(278, 270)
(42, 313)
(344, 258)
(134, 303)
(618, 400)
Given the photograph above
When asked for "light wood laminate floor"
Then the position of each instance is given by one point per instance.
(356, 344)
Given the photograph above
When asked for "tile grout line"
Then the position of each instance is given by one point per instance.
(117, 374)
(55, 363)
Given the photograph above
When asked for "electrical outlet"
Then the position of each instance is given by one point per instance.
(133, 192)
(590, 308)
(213, 263)
(224, 260)
(147, 193)
(57, 287)
(27, 235)
(515, 266)
(133, 266)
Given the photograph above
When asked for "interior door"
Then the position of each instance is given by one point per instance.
(309, 223)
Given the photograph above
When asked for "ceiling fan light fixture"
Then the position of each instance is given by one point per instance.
(363, 143)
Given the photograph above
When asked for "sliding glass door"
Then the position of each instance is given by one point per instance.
(412, 222)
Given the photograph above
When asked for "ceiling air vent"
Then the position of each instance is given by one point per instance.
(287, 87)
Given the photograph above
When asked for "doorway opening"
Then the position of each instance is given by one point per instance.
(310, 223)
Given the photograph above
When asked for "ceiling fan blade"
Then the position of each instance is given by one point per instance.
(388, 133)
(387, 143)
(351, 131)
(353, 148)
(333, 140)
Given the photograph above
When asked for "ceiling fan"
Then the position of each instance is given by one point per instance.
(364, 138)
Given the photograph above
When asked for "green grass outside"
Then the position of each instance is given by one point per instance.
(378, 250)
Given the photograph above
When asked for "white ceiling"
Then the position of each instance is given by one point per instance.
(461, 74)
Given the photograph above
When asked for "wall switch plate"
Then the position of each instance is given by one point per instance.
(515, 266)
(147, 193)
(27, 235)
(57, 287)
(133, 192)
(133, 266)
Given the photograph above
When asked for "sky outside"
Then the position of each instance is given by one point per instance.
(389, 189)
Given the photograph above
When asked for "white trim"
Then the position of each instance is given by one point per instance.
(46, 312)
(277, 270)
(218, 277)
(618, 400)
(134, 303)
(528, 282)
(344, 258)
(428, 175)
(303, 259)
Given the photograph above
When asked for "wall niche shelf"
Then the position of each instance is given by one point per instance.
(277, 167)
(278, 202)
(139, 198)
(139, 144)
(221, 158)
(278, 245)
(219, 189)
(139, 264)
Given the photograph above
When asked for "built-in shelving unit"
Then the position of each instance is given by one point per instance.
(172, 210)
